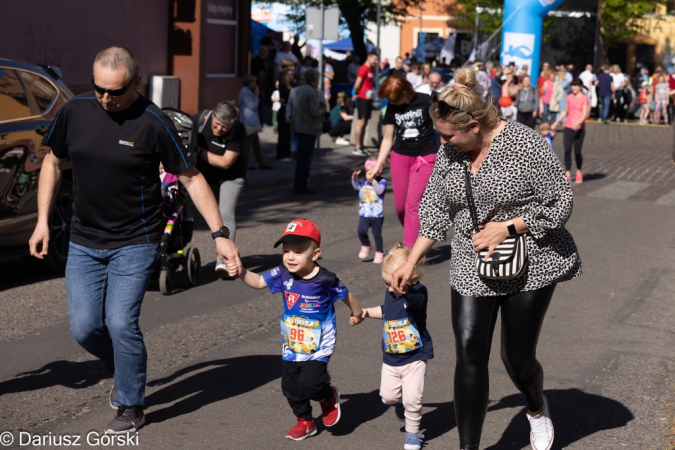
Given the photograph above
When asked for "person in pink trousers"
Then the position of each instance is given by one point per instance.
(409, 136)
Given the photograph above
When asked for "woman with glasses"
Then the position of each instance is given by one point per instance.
(519, 188)
(409, 132)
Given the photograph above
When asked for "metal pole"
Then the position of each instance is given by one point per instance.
(323, 24)
(475, 33)
(321, 83)
(379, 52)
(421, 12)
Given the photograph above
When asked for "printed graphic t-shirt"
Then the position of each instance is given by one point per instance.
(115, 156)
(308, 326)
(404, 318)
(414, 130)
(371, 204)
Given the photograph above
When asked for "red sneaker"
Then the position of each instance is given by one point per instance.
(331, 408)
(579, 178)
(302, 430)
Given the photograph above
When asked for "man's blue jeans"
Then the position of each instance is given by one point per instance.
(605, 102)
(105, 290)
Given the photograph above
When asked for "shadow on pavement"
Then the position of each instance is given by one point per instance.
(215, 381)
(575, 414)
(23, 271)
(593, 176)
(439, 421)
(359, 408)
(438, 254)
(74, 375)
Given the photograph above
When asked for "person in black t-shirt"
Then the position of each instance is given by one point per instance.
(219, 144)
(116, 139)
(409, 131)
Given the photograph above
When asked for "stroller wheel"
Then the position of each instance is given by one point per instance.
(165, 284)
(192, 265)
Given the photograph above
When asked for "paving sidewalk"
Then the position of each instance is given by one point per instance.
(329, 158)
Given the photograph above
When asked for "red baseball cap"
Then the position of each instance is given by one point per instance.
(298, 231)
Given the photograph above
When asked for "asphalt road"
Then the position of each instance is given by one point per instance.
(607, 346)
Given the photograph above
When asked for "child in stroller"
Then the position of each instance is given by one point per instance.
(177, 234)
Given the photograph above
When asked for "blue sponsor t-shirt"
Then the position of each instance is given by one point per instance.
(308, 326)
(405, 337)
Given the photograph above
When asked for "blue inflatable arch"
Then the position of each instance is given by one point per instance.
(522, 32)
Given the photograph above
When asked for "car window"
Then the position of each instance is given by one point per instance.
(43, 91)
(13, 101)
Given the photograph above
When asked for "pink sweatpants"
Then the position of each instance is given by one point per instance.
(405, 384)
(409, 175)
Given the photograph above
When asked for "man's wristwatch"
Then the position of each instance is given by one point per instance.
(223, 232)
(511, 227)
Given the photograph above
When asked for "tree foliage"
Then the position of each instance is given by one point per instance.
(355, 14)
(619, 19)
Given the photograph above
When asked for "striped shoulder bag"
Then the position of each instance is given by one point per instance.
(509, 259)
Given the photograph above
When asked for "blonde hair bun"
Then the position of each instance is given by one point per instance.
(466, 76)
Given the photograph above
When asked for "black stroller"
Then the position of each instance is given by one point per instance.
(178, 224)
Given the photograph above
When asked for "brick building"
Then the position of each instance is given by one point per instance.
(203, 42)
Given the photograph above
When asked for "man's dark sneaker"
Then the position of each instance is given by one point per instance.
(114, 397)
(127, 420)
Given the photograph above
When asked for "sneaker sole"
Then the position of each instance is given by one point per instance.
(134, 429)
(339, 410)
(311, 433)
(110, 399)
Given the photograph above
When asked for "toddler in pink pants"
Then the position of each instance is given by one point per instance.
(406, 345)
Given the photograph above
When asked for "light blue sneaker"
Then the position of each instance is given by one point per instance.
(413, 441)
(399, 411)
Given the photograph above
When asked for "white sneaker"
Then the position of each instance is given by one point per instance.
(221, 271)
(341, 141)
(541, 429)
(360, 152)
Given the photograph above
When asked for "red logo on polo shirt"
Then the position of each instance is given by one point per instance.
(291, 299)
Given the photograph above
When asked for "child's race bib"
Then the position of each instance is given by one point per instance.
(400, 335)
(300, 335)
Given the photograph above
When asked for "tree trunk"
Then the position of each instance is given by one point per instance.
(353, 15)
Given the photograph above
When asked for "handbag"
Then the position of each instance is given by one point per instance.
(509, 259)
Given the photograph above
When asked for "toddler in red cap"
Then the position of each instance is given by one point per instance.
(308, 324)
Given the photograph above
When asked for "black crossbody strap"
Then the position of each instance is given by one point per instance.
(469, 197)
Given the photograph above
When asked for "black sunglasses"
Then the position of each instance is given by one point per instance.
(445, 109)
(111, 92)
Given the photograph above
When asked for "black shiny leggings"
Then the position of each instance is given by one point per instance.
(473, 322)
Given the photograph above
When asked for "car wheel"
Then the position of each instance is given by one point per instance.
(59, 231)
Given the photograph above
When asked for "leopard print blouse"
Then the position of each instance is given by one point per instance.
(520, 176)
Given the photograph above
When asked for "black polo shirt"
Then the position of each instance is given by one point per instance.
(233, 141)
(115, 157)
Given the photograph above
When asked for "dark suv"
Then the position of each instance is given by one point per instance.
(30, 98)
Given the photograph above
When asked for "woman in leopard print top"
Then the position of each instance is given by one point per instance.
(517, 182)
